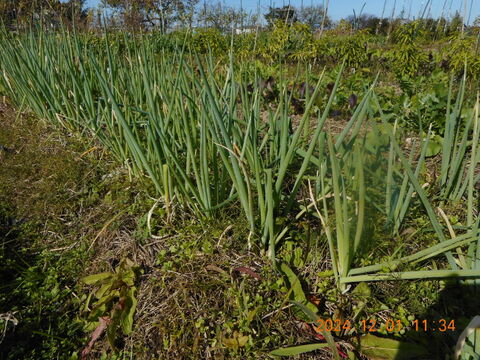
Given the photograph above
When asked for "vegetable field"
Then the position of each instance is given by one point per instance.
(313, 195)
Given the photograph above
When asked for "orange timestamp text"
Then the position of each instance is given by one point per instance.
(370, 325)
(441, 325)
(389, 325)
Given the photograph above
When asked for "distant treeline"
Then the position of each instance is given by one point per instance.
(393, 45)
(170, 15)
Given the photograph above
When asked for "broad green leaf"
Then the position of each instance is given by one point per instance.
(362, 290)
(106, 299)
(128, 277)
(435, 145)
(103, 290)
(362, 293)
(295, 350)
(86, 305)
(296, 285)
(376, 348)
(112, 330)
(129, 311)
(238, 340)
(96, 278)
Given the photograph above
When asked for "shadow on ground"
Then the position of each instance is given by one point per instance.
(438, 329)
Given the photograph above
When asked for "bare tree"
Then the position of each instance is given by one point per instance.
(144, 14)
(288, 14)
(314, 16)
(221, 17)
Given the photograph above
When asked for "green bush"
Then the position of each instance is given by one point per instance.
(206, 40)
(352, 48)
(288, 41)
(461, 52)
(407, 57)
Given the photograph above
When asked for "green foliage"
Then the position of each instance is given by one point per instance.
(375, 347)
(287, 41)
(463, 53)
(54, 12)
(37, 291)
(168, 43)
(467, 346)
(424, 102)
(311, 318)
(353, 48)
(407, 58)
(296, 350)
(209, 40)
(296, 287)
(115, 298)
(408, 33)
(245, 47)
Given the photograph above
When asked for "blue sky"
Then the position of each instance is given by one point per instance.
(343, 8)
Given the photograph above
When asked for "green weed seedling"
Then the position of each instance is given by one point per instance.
(113, 301)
